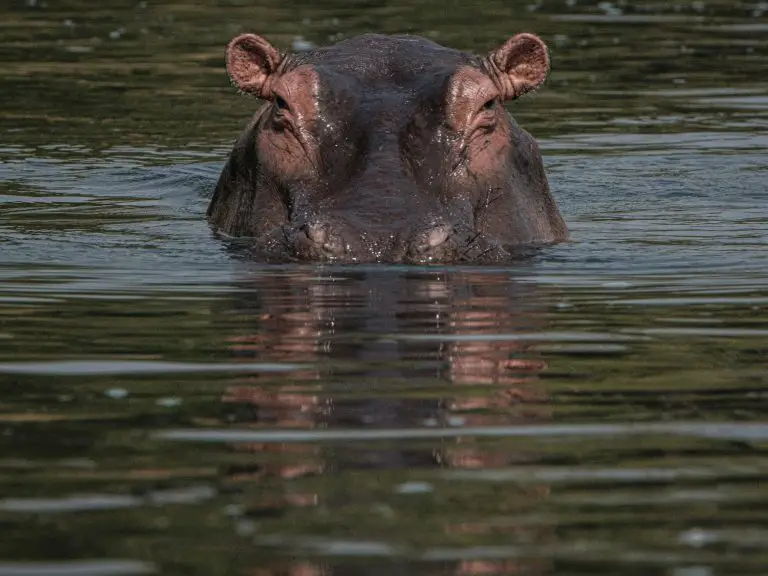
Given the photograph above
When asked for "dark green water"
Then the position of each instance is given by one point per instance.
(168, 408)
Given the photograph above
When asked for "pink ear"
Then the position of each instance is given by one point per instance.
(520, 65)
(250, 62)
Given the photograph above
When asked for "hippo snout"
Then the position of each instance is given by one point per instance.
(332, 239)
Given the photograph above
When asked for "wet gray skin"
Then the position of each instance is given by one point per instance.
(386, 149)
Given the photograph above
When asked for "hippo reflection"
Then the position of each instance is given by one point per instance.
(386, 149)
(354, 380)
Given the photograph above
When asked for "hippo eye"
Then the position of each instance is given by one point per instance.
(281, 104)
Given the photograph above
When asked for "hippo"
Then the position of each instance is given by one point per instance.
(386, 149)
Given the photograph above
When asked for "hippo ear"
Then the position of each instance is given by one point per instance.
(250, 62)
(520, 65)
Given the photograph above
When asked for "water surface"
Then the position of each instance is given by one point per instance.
(167, 407)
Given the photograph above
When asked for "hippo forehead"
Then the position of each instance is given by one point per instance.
(377, 61)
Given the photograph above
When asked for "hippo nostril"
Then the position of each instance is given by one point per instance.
(438, 236)
(317, 233)
(426, 242)
(322, 239)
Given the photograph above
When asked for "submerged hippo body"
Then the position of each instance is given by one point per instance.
(386, 149)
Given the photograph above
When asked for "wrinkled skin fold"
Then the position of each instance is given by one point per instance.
(386, 149)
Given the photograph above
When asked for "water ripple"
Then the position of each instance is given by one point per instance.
(116, 367)
(77, 568)
(727, 430)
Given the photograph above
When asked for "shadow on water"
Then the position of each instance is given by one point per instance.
(168, 407)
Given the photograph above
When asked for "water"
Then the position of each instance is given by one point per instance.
(167, 407)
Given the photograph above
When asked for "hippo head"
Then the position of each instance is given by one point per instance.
(388, 149)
